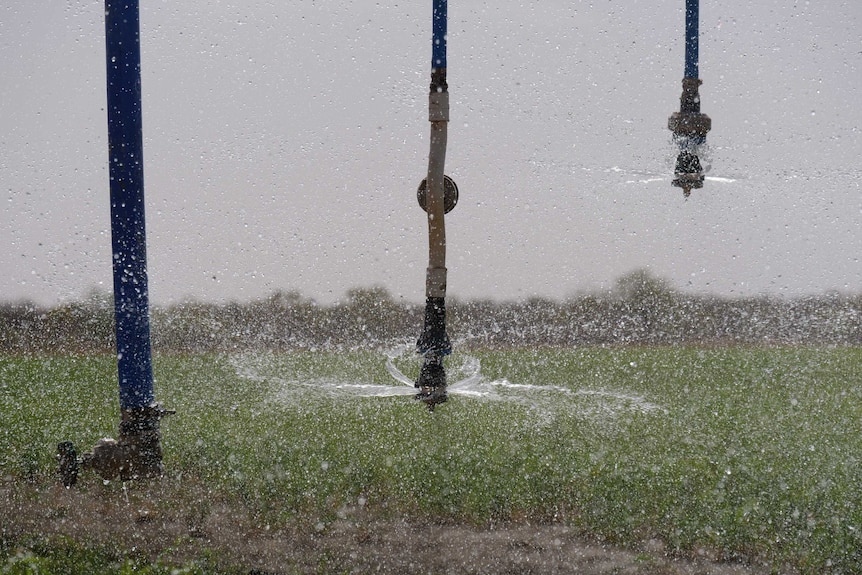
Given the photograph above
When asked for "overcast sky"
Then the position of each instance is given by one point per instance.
(284, 141)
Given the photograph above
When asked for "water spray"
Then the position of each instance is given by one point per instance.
(137, 452)
(689, 125)
(437, 195)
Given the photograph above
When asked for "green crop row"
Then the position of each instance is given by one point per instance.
(751, 453)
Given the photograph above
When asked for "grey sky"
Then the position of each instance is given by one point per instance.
(284, 142)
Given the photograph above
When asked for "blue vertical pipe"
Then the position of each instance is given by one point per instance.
(692, 16)
(438, 36)
(128, 234)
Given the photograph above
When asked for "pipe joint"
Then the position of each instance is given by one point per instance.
(438, 107)
(435, 282)
(438, 81)
(689, 121)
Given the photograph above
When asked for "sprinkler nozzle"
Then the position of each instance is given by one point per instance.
(434, 344)
(689, 127)
(432, 381)
(688, 173)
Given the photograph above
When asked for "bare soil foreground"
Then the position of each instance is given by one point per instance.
(176, 523)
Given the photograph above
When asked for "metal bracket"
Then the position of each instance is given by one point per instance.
(450, 194)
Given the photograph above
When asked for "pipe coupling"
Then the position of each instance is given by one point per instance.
(689, 121)
(435, 282)
(438, 107)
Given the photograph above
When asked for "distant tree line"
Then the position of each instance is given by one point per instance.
(641, 309)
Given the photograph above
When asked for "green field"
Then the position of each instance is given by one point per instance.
(749, 453)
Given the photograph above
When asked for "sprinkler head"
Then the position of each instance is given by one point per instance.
(689, 127)
(434, 344)
(688, 173)
(432, 381)
(450, 194)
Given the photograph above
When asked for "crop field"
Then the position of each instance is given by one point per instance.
(744, 456)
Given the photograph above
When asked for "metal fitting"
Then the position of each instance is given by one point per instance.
(435, 283)
(432, 382)
(434, 339)
(438, 106)
(689, 121)
(136, 454)
(438, 81)
(689, 127)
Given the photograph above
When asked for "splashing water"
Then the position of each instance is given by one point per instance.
(467, 381)
(470, 382)
(473, 384)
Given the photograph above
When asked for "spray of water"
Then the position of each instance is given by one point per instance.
(466, 380)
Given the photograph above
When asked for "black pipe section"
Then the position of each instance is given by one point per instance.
(434, 344)
(432, 381)
(438, 80)
(434, 338)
